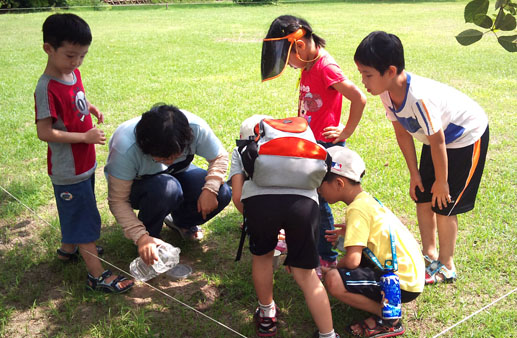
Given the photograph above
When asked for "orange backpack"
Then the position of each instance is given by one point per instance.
(284, 153)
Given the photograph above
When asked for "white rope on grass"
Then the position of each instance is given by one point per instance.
(122, 270)
(475, 313)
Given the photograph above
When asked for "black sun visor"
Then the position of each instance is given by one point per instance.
(275, 53)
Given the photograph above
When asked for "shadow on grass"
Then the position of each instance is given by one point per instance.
(42, 295)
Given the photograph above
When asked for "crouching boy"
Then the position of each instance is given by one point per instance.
(355, 280)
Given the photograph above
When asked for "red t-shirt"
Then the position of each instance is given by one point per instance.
(319, 103)
(65, 103)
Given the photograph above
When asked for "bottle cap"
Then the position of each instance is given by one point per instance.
(180, 271)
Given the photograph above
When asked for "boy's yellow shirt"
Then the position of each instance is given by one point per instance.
(367, 224)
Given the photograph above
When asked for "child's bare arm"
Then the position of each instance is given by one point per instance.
(407, 146)
(48, 134)
(440, 188)
(332, 235)
(95, 112)
(352, 257)
(237, 183)
(357, 102)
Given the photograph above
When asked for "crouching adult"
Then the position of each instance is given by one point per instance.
(149, 168)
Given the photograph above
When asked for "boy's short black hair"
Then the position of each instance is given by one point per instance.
(59, 28)
(330, 177)
(380, 50)
(163, 131)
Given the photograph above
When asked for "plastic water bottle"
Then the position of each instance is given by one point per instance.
(168, 257)
(390, 287)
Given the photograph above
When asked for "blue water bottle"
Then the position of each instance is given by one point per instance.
(390, 288)
(389, 281)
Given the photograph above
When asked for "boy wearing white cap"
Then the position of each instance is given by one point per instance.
(355, 279)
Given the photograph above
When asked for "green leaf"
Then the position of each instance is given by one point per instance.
(511, 7)
(507, 23)
(469, 36)
(483, 20)
(475, 7)
(509, 42)
(499, 18)
(500, 3)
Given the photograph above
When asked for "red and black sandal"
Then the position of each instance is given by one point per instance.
(382, 328)
(266, 326)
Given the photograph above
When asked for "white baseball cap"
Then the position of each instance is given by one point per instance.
(347, 163)
(249, 124)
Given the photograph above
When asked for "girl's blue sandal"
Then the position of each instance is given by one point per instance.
(100, 284)
(436, 273)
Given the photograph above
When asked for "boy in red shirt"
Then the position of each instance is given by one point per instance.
(63, 120)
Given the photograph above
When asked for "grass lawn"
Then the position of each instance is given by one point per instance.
(206, 59)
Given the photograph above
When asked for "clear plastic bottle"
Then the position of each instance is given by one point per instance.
(168, 257)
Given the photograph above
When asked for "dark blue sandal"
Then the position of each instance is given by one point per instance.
(100, 284)
(74, 256)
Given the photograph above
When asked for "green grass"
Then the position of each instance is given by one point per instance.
(206, 59)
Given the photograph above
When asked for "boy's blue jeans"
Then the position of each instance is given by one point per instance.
(157, 196)
(326, 221)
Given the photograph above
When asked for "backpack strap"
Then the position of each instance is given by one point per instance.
(241, 241)
(248, 150)
(328, 162)
(328, 159)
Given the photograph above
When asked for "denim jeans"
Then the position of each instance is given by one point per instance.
(157, 196)
(326, 222)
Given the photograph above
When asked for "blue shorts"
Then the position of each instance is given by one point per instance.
(78, 214)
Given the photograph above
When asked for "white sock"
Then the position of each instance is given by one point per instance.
(267, 310)
(330, 334)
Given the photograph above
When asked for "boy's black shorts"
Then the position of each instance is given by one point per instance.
(364, 280)
(465, 168)
(265, 215)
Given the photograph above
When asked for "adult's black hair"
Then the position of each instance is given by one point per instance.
(380, 50)
(330, 177)
(59, 28)
(163, 131)
(287, 24)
